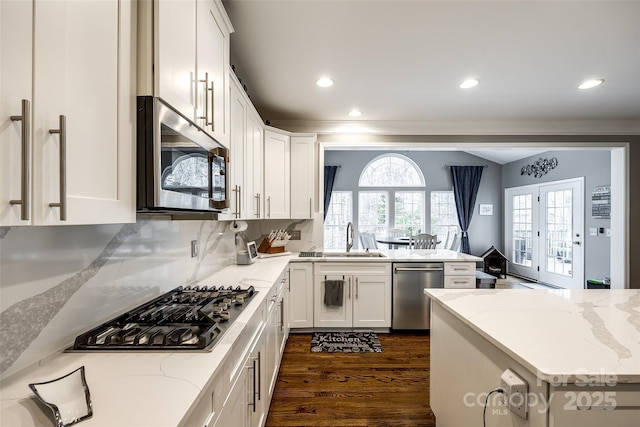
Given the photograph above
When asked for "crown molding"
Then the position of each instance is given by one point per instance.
(530, 127)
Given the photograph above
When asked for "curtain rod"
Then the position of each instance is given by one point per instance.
(484, 166)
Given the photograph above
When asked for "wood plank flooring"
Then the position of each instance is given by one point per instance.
(367, 389)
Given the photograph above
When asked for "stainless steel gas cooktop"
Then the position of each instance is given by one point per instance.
(189, 318)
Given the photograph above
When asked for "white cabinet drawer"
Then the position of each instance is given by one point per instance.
(460, 282)
(460, 268)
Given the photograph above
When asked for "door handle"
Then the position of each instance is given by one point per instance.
(257, 197)
(357, 288)
(25, 180)
(269, 207)
(63, 168)
(576, 242)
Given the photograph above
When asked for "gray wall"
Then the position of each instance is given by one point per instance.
(595, 167)
(484, 231)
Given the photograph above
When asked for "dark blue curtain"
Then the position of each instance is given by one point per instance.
(329, 177)
(466, 181)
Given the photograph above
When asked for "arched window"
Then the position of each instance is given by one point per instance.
(391, 196)
(391, 170)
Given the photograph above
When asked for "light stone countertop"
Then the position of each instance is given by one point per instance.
(565, 334)
(394, 255)
(139, 389)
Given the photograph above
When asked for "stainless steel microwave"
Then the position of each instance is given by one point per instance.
(179, 166)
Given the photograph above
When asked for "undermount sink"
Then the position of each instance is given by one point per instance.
(354, 254)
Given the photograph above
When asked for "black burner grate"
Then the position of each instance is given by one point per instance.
(181, 319)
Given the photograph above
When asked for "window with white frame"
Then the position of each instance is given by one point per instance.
(444, 218)
(391, 196)
(340, 213)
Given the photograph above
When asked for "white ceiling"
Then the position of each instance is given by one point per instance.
(400, 62)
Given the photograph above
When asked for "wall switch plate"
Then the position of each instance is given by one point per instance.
(608, 232)
(194, 248)
(295, 235)
(593, 231)
(515, 395)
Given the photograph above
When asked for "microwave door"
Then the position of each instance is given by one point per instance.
(218, 179)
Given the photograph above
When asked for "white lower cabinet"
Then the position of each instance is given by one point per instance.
(459, 275)
(300, 295)
(240, 393)
(365, 300)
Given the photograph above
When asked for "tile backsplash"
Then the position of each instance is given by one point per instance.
(57, 282)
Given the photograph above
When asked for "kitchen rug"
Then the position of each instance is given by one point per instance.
(345, 342)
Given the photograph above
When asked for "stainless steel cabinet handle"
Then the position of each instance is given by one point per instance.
(25, 186)
(258, 374)
(282, 315)
(269, 207)
(357, 288)
(349, 287)
(253, 367)
(419, 269)
(63, 168)
(206, 99)
(257, 197)
(213, 106)
(237, 190)
(310, 208)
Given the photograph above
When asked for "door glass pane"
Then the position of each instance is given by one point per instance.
(522, 230)
(559, 256)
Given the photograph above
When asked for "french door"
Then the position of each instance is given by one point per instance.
(544, 232)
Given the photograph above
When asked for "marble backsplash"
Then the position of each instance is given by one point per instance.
(57, 282)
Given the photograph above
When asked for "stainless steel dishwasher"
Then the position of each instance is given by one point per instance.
(411, 307)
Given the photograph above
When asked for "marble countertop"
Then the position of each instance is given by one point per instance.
(395, 255)
(565, 334)
(139, 388)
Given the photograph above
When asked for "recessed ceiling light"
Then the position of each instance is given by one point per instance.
(468, 84)
(355, 113)
(591, 83)
(324, 82)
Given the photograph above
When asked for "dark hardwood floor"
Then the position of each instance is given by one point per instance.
(360, 389)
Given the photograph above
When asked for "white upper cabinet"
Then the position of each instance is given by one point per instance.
(303, 172)
(192, 59)
(277, 159)
(245, 154)
(212, 64)
(254, 171)
(68, 97)
(176, 54)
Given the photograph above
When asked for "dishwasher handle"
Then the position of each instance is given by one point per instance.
(419, 269)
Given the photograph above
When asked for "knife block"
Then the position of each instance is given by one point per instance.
(274, 247)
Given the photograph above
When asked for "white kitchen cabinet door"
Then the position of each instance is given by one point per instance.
(212, 64)
(237, 158)
(300, 295)
(175, 34)
(333, 316)
(82, 114)
(277, 158)
(16, 77)
(254, 165)
(302, 176)
(372, 302)
(236, 409)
